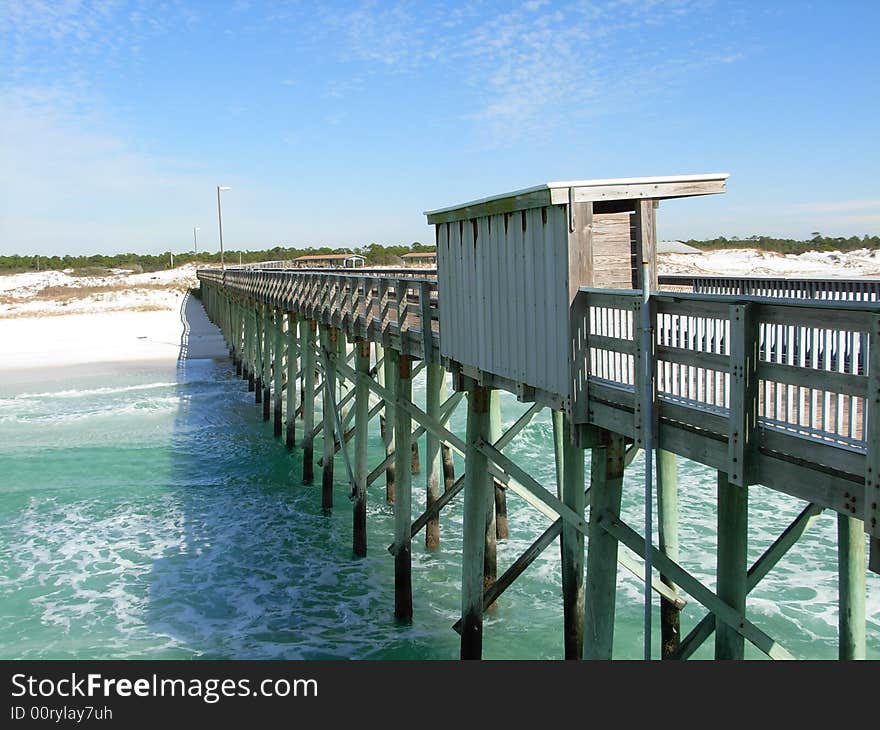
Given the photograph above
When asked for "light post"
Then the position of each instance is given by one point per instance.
(195, 239)
(221, 188)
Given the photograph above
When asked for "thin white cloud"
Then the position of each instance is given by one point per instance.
(33, 31)
(529, 66)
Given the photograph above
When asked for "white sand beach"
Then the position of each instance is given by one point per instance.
(52, 318)
(752, 262)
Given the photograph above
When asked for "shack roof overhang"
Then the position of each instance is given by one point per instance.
(582, 191)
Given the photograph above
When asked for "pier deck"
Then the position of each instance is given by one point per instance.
(781, 390)
(808, 435)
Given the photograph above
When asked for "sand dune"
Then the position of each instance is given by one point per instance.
(50, 318)
(751, 262)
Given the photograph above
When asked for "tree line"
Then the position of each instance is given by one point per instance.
(375, 254)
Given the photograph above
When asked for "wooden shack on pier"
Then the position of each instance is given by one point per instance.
(537, 247)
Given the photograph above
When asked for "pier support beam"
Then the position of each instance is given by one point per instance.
(386, 421)
(448, 467)
(502, 531)
(258, 355)
(268, 342)
(733, 514)
(361, 468)
(851, 586)
(230, 332)
(239, 337)
(330, 341)
(251, 343)
(278, 414)
(667, 504)
(308, 328)
(435, 394)
(243, 332)
(572, 541)
(477, 493)
(490, 550)
(401, 366)
(290, 436)
(415, 462)
(606, 489)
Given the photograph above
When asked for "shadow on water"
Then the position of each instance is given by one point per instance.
(258, 571)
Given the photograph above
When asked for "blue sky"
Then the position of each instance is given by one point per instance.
(340, 123)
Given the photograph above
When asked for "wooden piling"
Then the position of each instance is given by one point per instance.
(237, 334)
(268, 343)
(448, 467)
(386, 422)
(733, 513)
(290, 436)
(477, 491)
(500, 494)
(851, 587)
(415, 463)
(557, 420)
(308, 328)
(278, 410)
(572, 542)
(361, 468)
(242, 342)
(667, 504)
(249, 337)
(245, 342)
(402, 366)
(490, 551)
(258, 356)
(435, 391)
(606, 488)
(330, 344)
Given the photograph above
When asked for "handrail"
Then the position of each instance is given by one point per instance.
(809, 370)
(291, 266)
(830, 288)
(403, 310)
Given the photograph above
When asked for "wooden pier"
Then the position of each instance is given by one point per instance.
(552, 294)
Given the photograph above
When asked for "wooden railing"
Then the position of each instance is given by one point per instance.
(763, 375)
(396, 272)
(837, 289)
(389, 309)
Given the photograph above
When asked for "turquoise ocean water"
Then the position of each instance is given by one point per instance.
(147, 512)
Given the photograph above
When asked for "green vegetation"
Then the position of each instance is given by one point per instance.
(98, 264)
(818, 242)
(376, 254)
